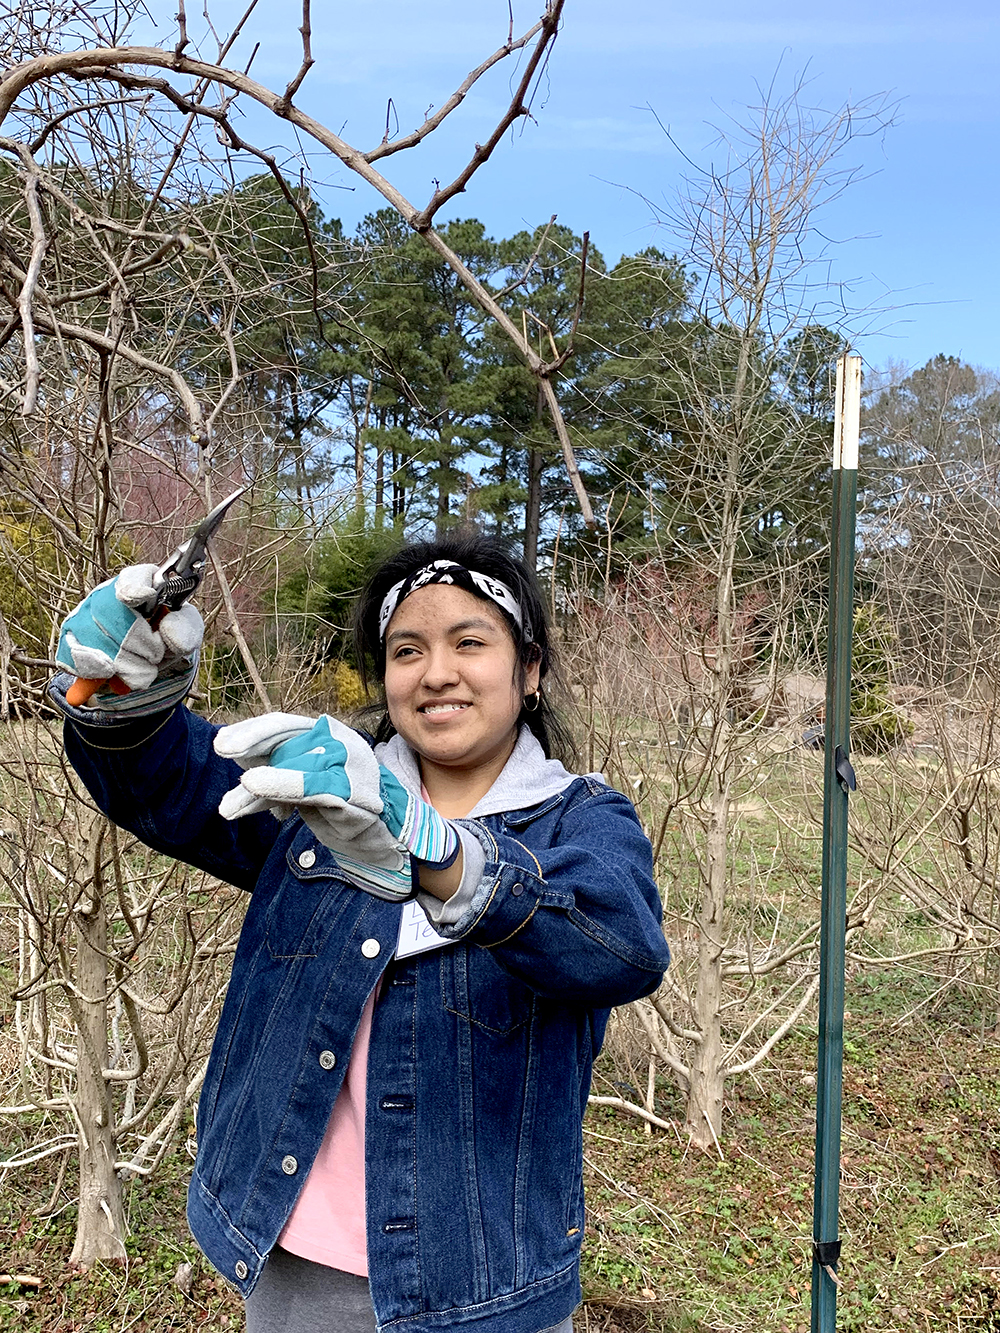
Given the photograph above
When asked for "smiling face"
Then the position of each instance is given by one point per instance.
(453, 684)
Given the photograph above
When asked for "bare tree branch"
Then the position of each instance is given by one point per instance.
(386, 147)
(307, 62)
(97, 63)
(548, 26)
(39, 244)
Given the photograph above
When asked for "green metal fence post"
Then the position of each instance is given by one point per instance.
(838, 781)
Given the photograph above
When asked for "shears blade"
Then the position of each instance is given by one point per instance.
(183, 570)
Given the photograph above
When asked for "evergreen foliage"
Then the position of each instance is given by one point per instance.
(877, 724)
(315, 602)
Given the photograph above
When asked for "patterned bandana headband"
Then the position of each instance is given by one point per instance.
(446, 571)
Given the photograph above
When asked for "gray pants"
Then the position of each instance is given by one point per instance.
(297, 1296)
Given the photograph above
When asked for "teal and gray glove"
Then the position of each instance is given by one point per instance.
(354, 805)
(108, 636)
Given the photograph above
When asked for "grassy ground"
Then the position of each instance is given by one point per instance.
(678, 1242)
(723, 1246)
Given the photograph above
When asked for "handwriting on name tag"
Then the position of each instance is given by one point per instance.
(416, 934)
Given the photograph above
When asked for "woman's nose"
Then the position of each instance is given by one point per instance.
(440, 669)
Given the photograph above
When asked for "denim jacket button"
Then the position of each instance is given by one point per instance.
(289, 1165)
(327, 1059)
(517, 890)
(371, 948)
(307, 858)
(241, 1270)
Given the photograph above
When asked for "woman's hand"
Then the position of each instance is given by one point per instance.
(107, 637)
(292, 761)
(354, 806)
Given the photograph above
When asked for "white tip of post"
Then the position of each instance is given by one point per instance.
(847, 418)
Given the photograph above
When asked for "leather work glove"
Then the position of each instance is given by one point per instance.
(108, 637)
(354, 805)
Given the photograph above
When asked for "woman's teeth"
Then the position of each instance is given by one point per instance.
(444, 708)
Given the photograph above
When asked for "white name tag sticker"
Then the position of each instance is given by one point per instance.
(416, 934)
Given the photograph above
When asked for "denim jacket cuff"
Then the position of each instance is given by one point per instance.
(507, 895)
(451, 913)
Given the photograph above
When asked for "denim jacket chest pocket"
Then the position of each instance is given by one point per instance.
(312, 896)
(477, 990)
(474, 986)
(517, 821)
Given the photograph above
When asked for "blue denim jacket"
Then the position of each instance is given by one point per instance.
(480, 1054)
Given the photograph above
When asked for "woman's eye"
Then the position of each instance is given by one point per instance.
(470, 643)
(403, 652)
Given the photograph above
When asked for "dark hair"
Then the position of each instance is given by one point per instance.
(489, 556)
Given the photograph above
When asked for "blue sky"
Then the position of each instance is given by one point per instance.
(917, 236)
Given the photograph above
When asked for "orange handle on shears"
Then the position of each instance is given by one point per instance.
(82, 689)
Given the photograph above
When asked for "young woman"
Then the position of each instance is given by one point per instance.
(390, 1126)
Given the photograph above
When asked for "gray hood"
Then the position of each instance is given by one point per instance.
(528, 778)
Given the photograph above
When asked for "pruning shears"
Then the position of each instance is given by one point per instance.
(174, 582)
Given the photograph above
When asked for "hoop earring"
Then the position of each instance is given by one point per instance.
(537, 696)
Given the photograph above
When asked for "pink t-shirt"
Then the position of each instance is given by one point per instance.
(327, 1224)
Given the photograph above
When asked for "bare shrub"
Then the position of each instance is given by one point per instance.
(122, 957)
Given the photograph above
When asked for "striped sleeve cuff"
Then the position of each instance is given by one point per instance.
(429, 837)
